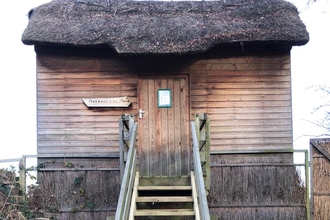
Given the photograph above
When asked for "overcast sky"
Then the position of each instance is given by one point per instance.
(310, 66)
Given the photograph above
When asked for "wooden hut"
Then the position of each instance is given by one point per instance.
(163, 62)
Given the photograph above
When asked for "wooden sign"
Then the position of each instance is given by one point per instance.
(107, 102)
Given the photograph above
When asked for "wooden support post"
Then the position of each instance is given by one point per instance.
(197, 124)
(307, 180)
(22, 176)
(202, 125)
(126, 123)
(311, 181)
(127, 179)
(207, 155)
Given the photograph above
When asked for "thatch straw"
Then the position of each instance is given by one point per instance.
(135, 27)
(73, 192)
(268, 191)
(321, 181)
(321, 207)
(256, 186)
(264, 213)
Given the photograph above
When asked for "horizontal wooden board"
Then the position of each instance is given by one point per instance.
(88, 137)
(79, 131)
(80, 112)
(247, 98)
(79, 146)
(251, 122)
(244, 79)
(78, 87)
(219, 130)
(198, 92)
(65, 148)
(251, 134)
(241, 85)
(246, 146)
(248, 59)
(245, 73)
(78, 119)
(254, 97)
(106, 75)
(260, 91)
(83, 124)
(80, 81)
(67, 96)
(241, 66)
(237, 104)
(244, 110)
(79, 106)
(250, 141)
(252, 116)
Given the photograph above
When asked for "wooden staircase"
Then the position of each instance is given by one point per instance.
(164, 197)
(173, 198)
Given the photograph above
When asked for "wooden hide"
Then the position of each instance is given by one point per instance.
(247, 95)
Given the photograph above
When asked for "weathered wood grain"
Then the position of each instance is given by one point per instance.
(247, 96)
(167, 138)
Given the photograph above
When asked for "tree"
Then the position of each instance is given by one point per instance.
(312, 1)
(323, 109)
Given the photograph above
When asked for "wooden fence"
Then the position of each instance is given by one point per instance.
(320, 171)
(253, 184)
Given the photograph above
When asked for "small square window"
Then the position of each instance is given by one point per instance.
(164, 98)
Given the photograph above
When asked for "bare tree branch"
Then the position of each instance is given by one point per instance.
(309, 136)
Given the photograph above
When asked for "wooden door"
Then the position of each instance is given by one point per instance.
(164, 133)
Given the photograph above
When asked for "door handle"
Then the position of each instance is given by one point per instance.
(141, 113)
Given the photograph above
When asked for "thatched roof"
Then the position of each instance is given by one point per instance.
(158, 27)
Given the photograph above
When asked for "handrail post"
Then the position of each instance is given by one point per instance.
(201, 189)
(126, 123)
(202, 125)
(127, 179)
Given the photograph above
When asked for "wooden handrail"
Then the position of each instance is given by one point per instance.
(202, 128)
(126, 123)
(199, 179)
(128, 178)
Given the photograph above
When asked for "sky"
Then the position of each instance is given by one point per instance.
(310, 67)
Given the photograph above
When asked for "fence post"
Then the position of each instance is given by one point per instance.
(22, 176)
(307, 180)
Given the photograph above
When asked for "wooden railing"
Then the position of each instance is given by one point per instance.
(201, 158)
(128, 134)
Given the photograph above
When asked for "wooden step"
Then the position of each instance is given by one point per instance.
(164, 188)
(165, 181)
(164, 199)
(164, 212)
